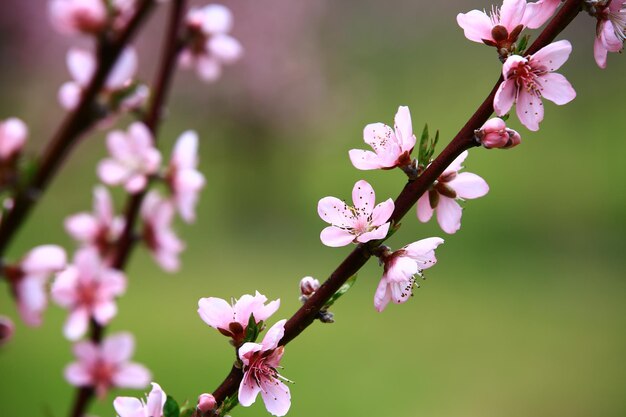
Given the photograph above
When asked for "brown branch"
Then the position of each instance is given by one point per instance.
(408, 197)
(75, 124)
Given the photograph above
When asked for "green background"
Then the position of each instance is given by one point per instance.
(524, 314)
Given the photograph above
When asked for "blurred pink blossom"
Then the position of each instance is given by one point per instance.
(391, 147)
(184, 180)
(260, 361)
(401, 267)
(610, 29)
(158, 214)
(13, 134)
(133, 158)
(78, 16)
(361, 223)
(7, 328)
(30, 277)
(495, 134)
(107, 365)
(88, 289)
(527, 80)
(134, 407)
(442, 196)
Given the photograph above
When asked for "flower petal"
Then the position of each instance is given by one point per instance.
(273, 335)
(365, 160)
(132, 375)
(216, 312)
(382, 295)
(511, 13)
(476, 25)
(557, 89)
(382, 212)
(363, 197)
(468, 185)
(553, 56)
(44, 259)
(449, 215)
(529, 110)
(128, 407)
(248, 390)
(276, 396)
(76, 324)
(424, 210)
(118, 348)
(378, 233)
(404, 129)
(335, 237)
(505, 97)
(334, 211)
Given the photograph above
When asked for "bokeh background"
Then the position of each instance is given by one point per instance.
(525, 313)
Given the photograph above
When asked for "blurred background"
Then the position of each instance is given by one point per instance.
(525, 313)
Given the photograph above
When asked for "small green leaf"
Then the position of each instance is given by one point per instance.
(423, 149)
(171, 408)
(252, 329)
(341, 291)
(505, 117)
(523, 43)
(186, 412)
(228, 404)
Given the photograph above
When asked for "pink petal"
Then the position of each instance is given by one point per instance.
(112, 283)
(382, 295)
(124, 70)
(112, 172)
(140, 137)
(276, 396)
(118, 348)
(247, 305)
(185, 154)
(104, 311)
(78, 375)
(76, 324)
(225, 48)
(13, 133)
(31, 298)
(216, 19)
(539, 12)
(216, 312)
(511, 13)
(400, 291)
(449, 215)
(382, 212)
(335, 237)
(82, 227)
(129, 407)
(424, 211)
(476, 25)
(273, 335)
(365, 160)
(81, 64)
(86, 352)
(552, 56)
(69, 95)
(376, 234)
(136, 183)
(511, 64)
(557, 89)
(468, 185)
(248, 390)
(529, 110)
(457, 164)
(423, 251)
(401, 270)
(383, 141)
(505, 97)
(600, 52)
(132, 375)
(44, 259)
(363, 197)
(103, 206)
(156, 401)
(64, 287)
(404, 129)
(208, 68)
(334, 211)
(247, 350)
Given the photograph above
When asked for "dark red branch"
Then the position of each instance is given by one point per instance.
(404, 202)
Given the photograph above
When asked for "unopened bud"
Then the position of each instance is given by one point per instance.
(6, 330)
(13, 133)
(308, 285)
(495, 134)
(499, 33)
(206, 402)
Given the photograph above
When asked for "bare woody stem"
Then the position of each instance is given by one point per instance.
(412, 191)
(72, 128)
(161, 85)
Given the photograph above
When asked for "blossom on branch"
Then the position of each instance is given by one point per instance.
(260, 361)
(358, 224)
(107, 365)
(78, 16)
(134, 407)
(444, 192)
(183, 179)
(88, 288)
(13, 134)
(133, 158)
(401, 267)
(392, 148)
(528, 79)
(158, 214)
(232, 319)
(29, 279)
(495, 134)
(610, 29)
(208, 44)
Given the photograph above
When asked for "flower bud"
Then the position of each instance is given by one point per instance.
(206, 402)
(308, 285)
(495, 134)
(6, 330)
(13, 134)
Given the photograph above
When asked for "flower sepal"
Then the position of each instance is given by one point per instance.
(426, 149)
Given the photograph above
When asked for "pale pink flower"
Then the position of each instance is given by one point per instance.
(184, 180)
(133, 158)
(158, 235)
(107, 365)
(7, 328)
(527, 80)
(30, 277)
(495, 134)
(610, 29)
(210, 46)
(206, 402)
(13, 134)
(232, 319)
(88, 289)
(401, 267)
(78, 16)
(361, 223)
(442, 196)
(392, 147)
(260, 361)
(100, 229)
(82, 65)
(134, 407)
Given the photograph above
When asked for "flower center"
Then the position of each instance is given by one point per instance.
(525, 75)
(618, 19)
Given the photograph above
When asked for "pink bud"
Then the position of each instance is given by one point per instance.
(308, 285)
(6, 330)
(13, 134)
(206, 402)
(495, 134)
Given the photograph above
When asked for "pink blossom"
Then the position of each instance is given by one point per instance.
(259, 372)
(13, 133)
(158, 235)
(361, 223)
(7, 328)
(78, 16)
(401, 267)
(82, 65)
(88, 289)
(527, 80)
(30, 277)
(184, 180)
(232, 319)
(442, 196)
(134, 407)
(391, 147)
(610, 29)
(100, 229)
(206, 402)
(538, 13)
(209, 46)
(107, 365)
(495, 134)
(133, 158)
